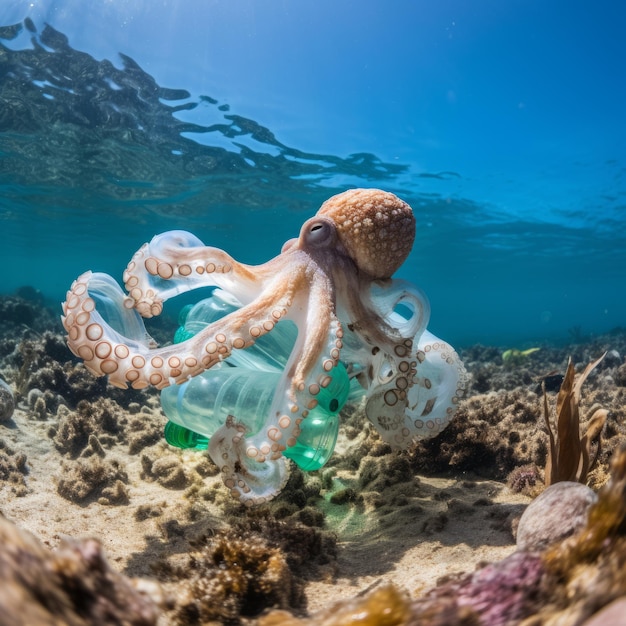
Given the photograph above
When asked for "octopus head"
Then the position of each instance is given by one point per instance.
(375, 228)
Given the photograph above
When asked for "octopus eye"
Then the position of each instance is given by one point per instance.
(318, 232)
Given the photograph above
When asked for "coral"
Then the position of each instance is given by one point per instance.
(234, 574)
(7, 401)
(93, 478)
(101, 420)
(525, 479)
(13, 469)
(104, 420)
(146, 511)
(490, 435)
(144, 430)
(43, 362)
(344, 496)
(231, 577)
(74, 585)
(375, 474)
(116, 494)
(169, 472)
(304, 546)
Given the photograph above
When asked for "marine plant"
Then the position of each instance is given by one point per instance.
(569, 456)
(513, 356)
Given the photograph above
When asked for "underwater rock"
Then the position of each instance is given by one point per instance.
(7, 401)
(612, 358)
(560, 511)
(612, 615)
(73, 585)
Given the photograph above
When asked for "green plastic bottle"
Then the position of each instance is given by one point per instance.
(244, 386)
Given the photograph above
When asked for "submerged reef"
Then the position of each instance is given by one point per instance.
(565, 582)
(82, 459)
(500, 431)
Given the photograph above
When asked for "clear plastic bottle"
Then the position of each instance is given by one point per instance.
(244, 386)
(203, 403)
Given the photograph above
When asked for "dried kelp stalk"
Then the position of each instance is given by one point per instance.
(568, 454)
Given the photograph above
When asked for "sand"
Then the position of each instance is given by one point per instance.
(410, 518)
(439, 531)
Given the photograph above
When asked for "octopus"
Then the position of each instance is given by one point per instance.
(334, 282)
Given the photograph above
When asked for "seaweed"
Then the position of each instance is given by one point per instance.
(569, 455)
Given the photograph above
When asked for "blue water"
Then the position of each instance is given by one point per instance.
(501, 122)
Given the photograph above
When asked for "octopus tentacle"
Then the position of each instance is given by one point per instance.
(244, 461)
(415, 380)
(177, 261)
(131, 360)
(425, 385)
(252, 481)
(373, 312)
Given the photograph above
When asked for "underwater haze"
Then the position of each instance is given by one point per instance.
(502, 123)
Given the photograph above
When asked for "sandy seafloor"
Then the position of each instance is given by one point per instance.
(80, 458)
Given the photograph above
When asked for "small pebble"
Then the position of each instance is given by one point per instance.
(7, 401)
(560, 511)
(611, 359)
